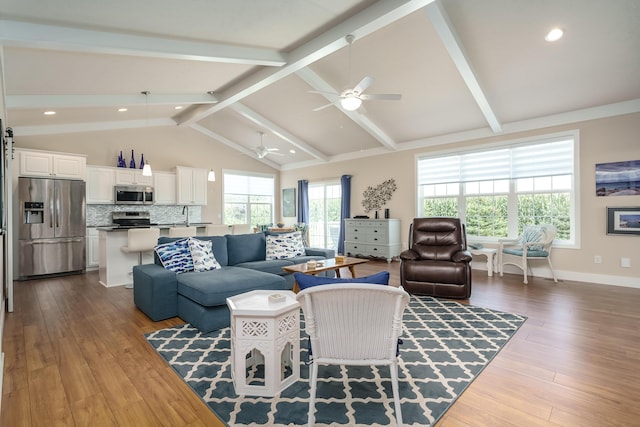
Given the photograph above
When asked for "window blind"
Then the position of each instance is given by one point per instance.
(248, 184)
(518, 161)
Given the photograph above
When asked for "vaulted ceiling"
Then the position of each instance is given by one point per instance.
(465, 69)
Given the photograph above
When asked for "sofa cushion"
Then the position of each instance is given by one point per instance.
(202, 254)
(175, 256)
(306, 280)
(246, 247)
(211, 288)
(284, 245)
(218, 245)
(273, 266)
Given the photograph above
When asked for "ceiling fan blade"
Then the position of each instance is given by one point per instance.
(381, 96)
(324, 106)
(275, 153)
(322, 92)
(364, 84)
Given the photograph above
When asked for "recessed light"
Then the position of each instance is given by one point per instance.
(122, 110)
(49, 113)
(554, 35)
(178, 107)
(292, 151)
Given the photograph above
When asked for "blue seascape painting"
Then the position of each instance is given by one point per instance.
(629, 221)
(618, 178)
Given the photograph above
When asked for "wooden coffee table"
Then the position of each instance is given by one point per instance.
(329, 265)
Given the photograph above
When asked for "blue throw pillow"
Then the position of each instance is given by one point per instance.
(306, 280)
(175, 256)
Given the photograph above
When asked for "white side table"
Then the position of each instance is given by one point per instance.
(265, 342)
(491, 256)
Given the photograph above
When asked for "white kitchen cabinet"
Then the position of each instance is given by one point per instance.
(93, 248)
(164, 187)
(131, 176)
(377, 238)
(191, 186)
(52, 165)
(100, 182)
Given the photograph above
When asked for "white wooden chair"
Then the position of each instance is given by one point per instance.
(535, 243)
(353, 324)
(182, 231)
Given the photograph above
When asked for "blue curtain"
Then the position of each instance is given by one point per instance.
(303, 201)
(345, 208)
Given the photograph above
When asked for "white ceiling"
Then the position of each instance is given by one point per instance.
(465, 69)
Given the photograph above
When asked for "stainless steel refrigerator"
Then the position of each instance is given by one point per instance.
(52, 226)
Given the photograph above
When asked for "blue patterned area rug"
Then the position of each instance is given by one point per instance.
(446, 345)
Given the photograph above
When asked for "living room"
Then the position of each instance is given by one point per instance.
(599, 104)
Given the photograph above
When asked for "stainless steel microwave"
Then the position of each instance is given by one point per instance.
(133, 195)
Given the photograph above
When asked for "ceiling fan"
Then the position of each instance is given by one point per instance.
(262, 151)
(351, 99)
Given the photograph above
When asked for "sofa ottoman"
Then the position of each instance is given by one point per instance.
(202, 298)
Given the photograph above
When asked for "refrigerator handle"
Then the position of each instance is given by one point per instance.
(51, 213)
(57, 209)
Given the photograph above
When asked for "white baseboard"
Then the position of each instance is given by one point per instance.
(600, 279)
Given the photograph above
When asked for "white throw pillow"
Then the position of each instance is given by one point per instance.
(202, 254)
(285, 245)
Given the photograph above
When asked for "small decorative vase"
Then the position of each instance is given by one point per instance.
(387, 215)
(142, 161)
(122, 163)
(377, 215)
(132, 163)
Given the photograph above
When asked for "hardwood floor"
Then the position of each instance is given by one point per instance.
(75, 355)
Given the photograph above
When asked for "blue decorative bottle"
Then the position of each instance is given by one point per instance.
(132, 164)
(142, 161)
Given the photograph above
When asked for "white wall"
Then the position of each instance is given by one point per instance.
(604, 140)
(163, 147)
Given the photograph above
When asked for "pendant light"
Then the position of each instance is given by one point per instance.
(146, 169)
(212, 176)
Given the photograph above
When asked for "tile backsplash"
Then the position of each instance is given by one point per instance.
(100, 215)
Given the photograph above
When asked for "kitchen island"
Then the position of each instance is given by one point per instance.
(115, 267)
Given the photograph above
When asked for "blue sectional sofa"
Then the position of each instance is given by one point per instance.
(200, 297)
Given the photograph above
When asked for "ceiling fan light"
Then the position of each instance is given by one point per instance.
(350, 103)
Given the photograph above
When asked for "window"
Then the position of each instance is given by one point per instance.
(496, 191)
(324, 215)
(248, 198)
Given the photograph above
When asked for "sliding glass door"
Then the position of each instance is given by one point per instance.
(324, 214)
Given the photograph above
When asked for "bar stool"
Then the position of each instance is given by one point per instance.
(141, 240)
(241, 229)
(218, 230)
(182, 231)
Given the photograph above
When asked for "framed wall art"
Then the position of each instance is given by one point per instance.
(623, 221)
(618, 178)
(288, 202)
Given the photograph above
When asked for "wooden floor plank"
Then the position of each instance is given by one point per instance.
(75, 355)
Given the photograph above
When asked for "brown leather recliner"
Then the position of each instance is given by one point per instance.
(437, 262)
